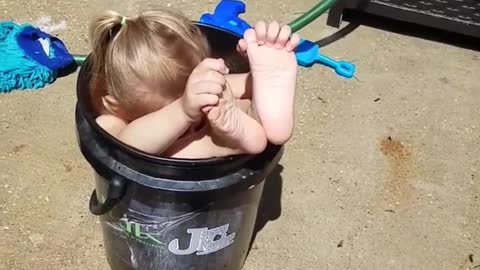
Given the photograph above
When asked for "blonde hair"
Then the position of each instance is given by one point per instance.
(158, 49)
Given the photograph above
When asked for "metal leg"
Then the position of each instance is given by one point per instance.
(335, 14)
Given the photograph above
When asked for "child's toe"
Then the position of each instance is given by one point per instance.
(283, 37)
(261, 32)
(250, 37)
(293, 42)
(213, 114)
(272, 33)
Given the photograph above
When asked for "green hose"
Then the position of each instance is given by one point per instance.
(296, 24)
(311, 15)
(79, 59)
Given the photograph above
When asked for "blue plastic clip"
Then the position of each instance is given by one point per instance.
(308, 53)
(226, 17)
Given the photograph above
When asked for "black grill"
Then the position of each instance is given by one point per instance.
(458, 16)
(463, 11)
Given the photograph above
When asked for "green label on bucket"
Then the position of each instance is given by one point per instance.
(203, 241)
(134, 230)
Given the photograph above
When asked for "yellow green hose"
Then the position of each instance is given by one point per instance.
(311, 15)
(296, 24)
(79, 59)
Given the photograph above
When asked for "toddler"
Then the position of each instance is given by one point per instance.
(160, 93)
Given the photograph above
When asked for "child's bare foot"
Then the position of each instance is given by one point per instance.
(236, 127)
(270, 50)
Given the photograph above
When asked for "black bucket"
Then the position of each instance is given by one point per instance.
(172, 214)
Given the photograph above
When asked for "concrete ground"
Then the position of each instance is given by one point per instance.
(383, 172)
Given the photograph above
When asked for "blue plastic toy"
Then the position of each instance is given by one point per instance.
(308, 53)
(226, 16)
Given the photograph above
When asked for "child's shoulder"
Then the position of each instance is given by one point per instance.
(111, 123)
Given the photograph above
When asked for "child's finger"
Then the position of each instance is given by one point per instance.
(272, 33)
(208, 100)
(215, 77)
(209, 87)
(261, 32)
(283, 37)
(206, 109)
(211, 63)
(293, 42)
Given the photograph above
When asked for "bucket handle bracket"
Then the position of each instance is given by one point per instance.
(115, 192)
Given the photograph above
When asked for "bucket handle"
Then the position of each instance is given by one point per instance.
(115, 191)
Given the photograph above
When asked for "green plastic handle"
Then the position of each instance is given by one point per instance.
(79, 59)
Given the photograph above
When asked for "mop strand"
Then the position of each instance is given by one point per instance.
(29, 58)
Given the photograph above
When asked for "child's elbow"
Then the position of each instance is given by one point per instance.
(279, 138)
(278, 133)
(259, 146)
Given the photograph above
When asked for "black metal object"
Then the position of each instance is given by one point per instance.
(457, 16)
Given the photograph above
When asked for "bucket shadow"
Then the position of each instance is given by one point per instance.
(270, 207)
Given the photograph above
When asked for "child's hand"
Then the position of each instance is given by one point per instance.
(203, 88)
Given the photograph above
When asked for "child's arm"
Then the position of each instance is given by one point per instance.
(153, 133)
(156, 132)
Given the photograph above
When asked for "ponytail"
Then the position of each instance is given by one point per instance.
(102, 32)
(158, 48)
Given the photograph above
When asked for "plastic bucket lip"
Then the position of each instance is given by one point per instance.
(82, 86)
(211, 177)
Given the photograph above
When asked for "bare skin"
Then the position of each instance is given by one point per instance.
(274, 71)
(223, 114)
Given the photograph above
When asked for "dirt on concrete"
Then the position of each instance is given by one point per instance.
(383, 171)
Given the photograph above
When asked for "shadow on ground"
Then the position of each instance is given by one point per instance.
(356, 19)
(270, 207)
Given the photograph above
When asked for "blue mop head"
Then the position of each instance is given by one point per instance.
(29, 58)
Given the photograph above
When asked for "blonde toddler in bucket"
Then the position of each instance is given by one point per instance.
(158, 90)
